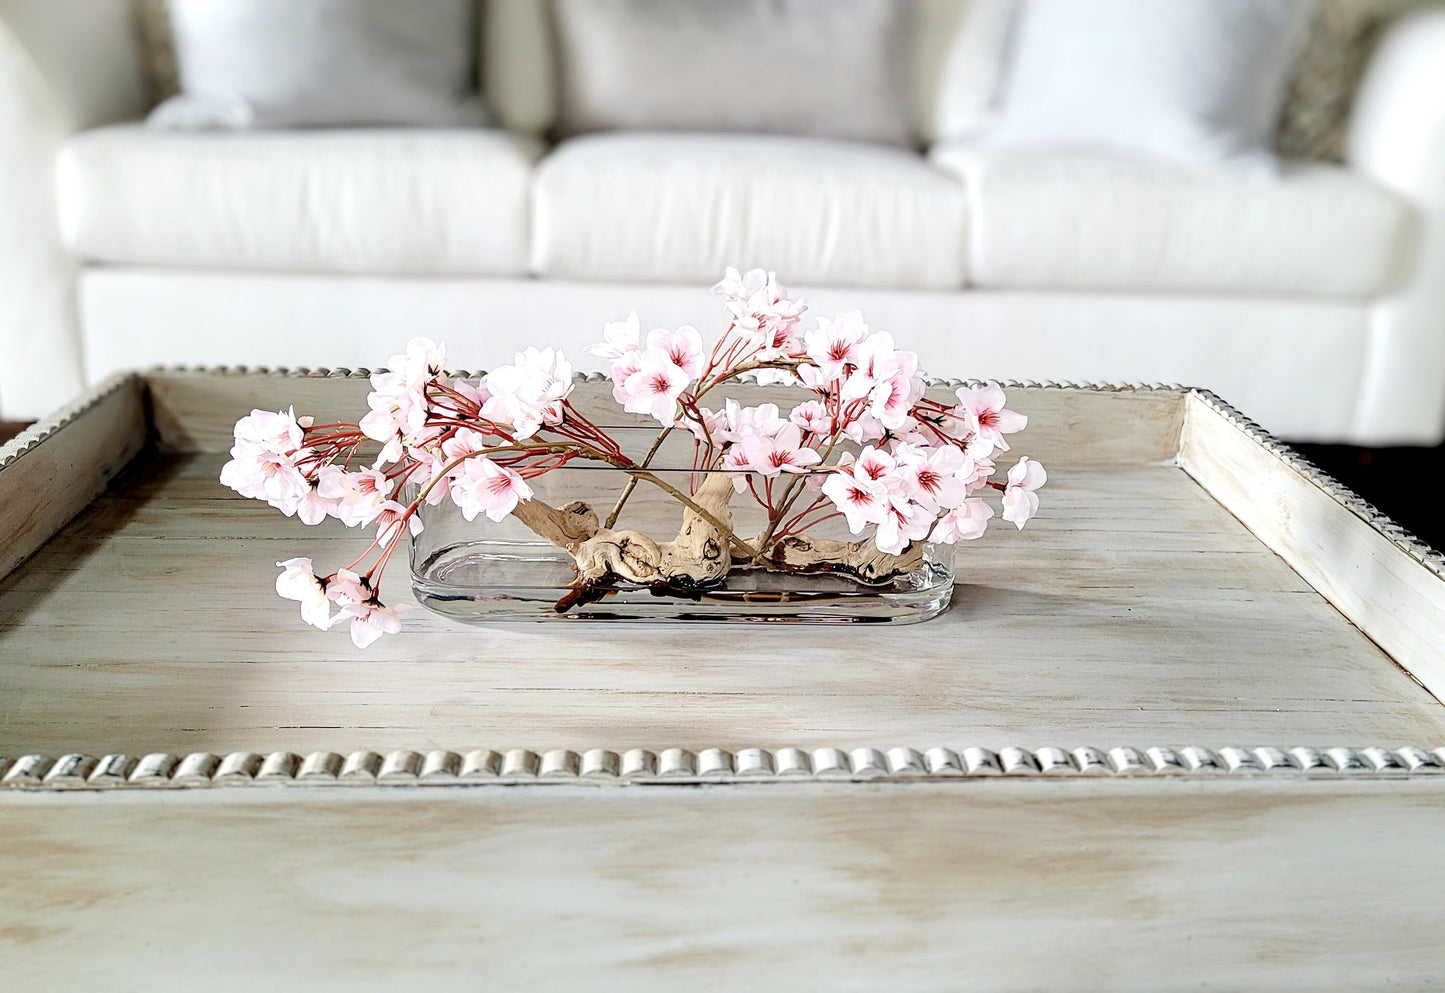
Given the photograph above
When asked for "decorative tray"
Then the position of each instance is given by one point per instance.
(1176, 708)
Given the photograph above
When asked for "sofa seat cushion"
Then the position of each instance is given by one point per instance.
(682, 207)
(1080, 220)
(374, 201)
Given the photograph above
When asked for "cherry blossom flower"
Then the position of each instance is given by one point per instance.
(975, 472)
(742, 422)
(903, 522)
(864, 429)
(813, 418)
(348, 587)
(863, 501)
(482, 486)
(356, 497)
(655, 386)
(422, 363)
(834, 346)
(618, 339)
(271, 431)
(683, 347)
(982, 410)
(891, 400)
(965, 522)
(761, 310)
(370, 620)
(929, 477)
(879, 467)
(530, 392)
(783, 452)
(299, 582)
(1020, 502)
(263, 476)
(397, 410)
(622, 370)
(307, 505)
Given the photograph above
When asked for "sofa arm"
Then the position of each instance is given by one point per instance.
(64, 65)
(1397, 139)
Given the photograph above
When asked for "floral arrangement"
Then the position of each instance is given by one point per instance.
(865, 446)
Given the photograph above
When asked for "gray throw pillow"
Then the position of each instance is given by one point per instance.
(832, 68)
(298, 63)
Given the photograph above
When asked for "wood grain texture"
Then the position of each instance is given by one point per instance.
(990, 886)
(51, 472)
(1135, 611)
(1393, 597)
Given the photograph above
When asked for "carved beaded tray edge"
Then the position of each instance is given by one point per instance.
(680, 766)
(714, 765)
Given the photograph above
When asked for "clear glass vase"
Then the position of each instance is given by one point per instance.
(780, 568)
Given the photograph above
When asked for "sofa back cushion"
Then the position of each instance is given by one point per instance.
(832, 68)
(293, 63)
(955, 51)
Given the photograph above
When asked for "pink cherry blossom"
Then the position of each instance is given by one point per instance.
(356, 496)
(683, 347)
(878, 359)
(530, 392)
(270, 431)
(930, 476)
(482, 486)
(982, 410)
(813, 418)
(834, 346)
(422, 363)
(879, 467)
(760, 309)
(864, 429)
(784, 452)
(763, 419)
(299, 582)
(348, 587)
(628, 365)
(975, 472)
(655, 386)
(308, 506)
(397, 410)
(891, 400)
(619, 338)
(903, 522)
(1020, 502)
(965, 522)
(370, 620)
(863, 501)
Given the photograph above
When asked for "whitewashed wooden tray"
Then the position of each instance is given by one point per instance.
(1180, 732)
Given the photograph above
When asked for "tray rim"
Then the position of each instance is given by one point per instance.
(517, 766)
(687, 767)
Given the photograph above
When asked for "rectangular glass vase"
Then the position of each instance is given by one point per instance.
(484, 571)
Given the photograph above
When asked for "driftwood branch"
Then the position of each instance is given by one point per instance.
(700, 554)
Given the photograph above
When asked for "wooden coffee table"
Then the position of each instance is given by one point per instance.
(1179, 732)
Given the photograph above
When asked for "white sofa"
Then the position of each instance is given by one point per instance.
(1315, 302)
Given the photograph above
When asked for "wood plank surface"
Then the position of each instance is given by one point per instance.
(1135, 611)
(50, 472)
(1393, 597)
(987, 886)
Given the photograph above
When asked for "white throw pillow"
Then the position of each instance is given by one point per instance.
(1197, 82)
(298, 63)
(961, 48)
